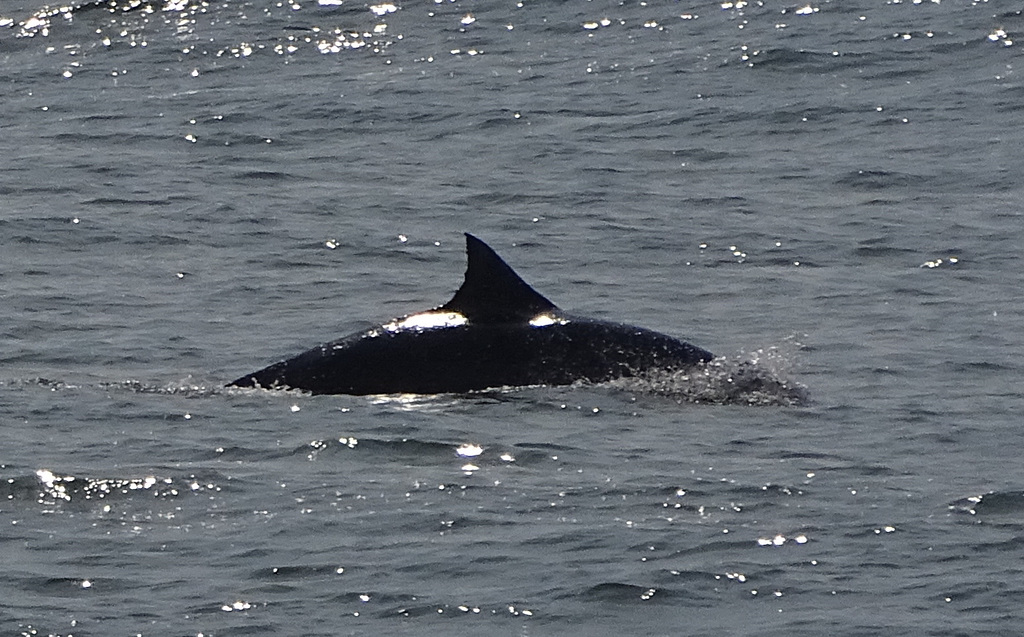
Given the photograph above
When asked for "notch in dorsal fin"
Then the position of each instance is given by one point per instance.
(492, 291)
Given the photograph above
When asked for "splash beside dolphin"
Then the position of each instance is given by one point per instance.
(496, 331)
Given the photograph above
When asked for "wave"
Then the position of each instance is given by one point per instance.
(760, 378)
(50, 488)
(995, 503)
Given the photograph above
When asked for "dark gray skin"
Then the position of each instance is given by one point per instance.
(495, 332)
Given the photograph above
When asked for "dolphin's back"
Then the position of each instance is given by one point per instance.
(467, 358)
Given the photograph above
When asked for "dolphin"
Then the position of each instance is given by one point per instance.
(496, 331)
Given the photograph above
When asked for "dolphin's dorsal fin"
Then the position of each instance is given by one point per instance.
(492, 291)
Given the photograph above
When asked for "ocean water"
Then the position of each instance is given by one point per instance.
(828, 193)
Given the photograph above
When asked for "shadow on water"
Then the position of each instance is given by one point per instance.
(760, 378)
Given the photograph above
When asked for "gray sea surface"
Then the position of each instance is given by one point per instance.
(826, 193)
